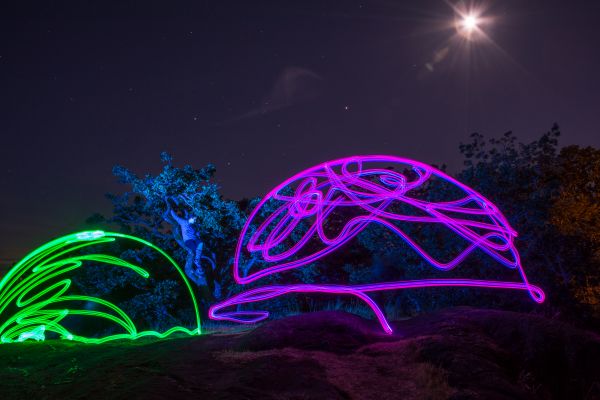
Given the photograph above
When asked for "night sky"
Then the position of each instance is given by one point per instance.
(263, 89)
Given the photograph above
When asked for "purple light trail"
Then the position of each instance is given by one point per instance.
(307, 199)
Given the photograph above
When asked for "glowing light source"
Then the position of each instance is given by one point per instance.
(36, 294)
(467, 25)
(297, 233)
(470, 22)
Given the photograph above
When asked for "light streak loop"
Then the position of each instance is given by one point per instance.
(360, 183)
(35, 295)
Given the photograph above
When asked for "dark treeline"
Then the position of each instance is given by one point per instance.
(550, 195)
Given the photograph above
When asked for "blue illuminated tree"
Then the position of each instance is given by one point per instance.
(182, 211)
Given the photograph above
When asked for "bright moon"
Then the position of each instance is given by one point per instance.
(467, 24)
(470, 22)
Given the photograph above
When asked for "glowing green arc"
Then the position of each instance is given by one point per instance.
(30, 287)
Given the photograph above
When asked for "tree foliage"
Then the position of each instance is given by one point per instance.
(551, 199)
(575, 212)
(550, 196)
(145, 211)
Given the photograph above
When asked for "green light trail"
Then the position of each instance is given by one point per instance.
(35, 295)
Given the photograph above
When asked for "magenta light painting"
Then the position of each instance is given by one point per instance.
(298, 223)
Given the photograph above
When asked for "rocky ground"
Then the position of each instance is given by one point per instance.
(460, 353)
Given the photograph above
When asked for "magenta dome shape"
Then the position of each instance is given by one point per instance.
(290, 228)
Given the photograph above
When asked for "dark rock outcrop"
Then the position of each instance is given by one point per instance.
(460, 353)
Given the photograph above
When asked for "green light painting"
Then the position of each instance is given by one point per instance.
(37, 294)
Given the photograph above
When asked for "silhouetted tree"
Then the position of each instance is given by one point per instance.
(575, 213)
(551, 199)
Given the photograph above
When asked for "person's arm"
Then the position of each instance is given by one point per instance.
(180, 221)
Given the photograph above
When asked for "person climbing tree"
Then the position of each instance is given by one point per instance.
(182, 211)
(192, 243)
